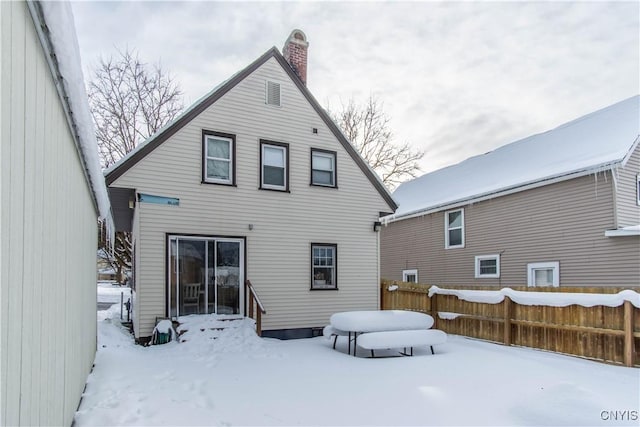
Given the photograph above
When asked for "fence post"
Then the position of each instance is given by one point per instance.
(382, 288)
(434, 310)
(507, 320)
(628, 334)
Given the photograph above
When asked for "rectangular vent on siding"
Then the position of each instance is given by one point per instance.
(273, 93)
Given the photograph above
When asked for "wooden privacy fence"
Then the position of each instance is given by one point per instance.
(610, 334)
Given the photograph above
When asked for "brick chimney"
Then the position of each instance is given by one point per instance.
(295, 52)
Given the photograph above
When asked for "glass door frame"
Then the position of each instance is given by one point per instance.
(170, 237)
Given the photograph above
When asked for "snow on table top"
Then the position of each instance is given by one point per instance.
(380, 320)
(552, 299)
(597, 141)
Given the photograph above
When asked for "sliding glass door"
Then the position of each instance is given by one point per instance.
(205, 275)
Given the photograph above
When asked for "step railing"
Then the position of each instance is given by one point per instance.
(255, 309)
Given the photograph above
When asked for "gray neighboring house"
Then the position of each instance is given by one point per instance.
(52, 192)
(254, 181)
(561, 208)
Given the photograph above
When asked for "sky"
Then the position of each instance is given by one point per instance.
(457, 79)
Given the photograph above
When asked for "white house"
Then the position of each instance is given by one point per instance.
(254, 181)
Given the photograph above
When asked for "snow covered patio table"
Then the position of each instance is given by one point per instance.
(359, 322)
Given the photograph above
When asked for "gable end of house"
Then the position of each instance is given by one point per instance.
(180, 122)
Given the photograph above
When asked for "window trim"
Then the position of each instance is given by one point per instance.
(232, 162)
(335, 266)
(543, 265)
(447, 229)
(478, 273)
(285, 147)
(405, 273)
(638, 189)
(326, 153)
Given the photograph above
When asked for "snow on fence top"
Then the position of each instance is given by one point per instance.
(552, 299)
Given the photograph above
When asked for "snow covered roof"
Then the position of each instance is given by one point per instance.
(596, 142)
(56, 30)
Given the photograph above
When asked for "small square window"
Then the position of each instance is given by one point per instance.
(543, 274)
(274, 166)
(487, 266)
(218, 158)
(323, 168)
(324, 266)
(454, 229)
(410, 276)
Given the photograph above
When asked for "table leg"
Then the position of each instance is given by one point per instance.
(355, 343)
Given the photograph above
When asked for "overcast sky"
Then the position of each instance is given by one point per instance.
(457, 78)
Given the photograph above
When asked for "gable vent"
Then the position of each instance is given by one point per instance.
(273, 93)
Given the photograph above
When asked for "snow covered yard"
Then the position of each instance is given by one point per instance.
(241, 379)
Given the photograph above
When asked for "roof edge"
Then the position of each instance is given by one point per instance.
(364, 167)
(183, 120)
(155, 140)
(504, 191)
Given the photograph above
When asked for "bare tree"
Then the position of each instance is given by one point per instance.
(367, 127)
(130, 101)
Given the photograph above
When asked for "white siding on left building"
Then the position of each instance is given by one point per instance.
(48, 235)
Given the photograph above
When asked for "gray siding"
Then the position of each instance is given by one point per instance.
(278, 248)
(628, 211)
(562, 222)
(48, 237)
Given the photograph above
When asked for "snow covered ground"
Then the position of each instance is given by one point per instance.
(241, 379)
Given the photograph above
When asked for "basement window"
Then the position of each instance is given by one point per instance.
(410, 276)
(487, 266)
(543, 274)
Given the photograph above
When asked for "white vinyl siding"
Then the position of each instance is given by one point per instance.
(284, 224)
(48, 236)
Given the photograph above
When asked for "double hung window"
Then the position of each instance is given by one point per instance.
(454, 229)
(323, 168)
(218, 158)
(324, 266)
(274, 166)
